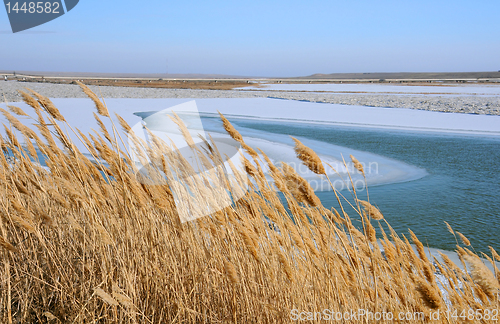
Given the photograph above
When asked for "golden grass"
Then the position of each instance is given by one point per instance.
(85, 242)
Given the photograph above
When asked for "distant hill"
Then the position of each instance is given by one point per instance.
(407, 75)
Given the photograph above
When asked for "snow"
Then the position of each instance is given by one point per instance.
(380, 170)
(376, 117)
(382, 88)
(79, 114)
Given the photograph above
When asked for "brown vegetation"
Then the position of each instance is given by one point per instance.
(86, 242)
(215, 84)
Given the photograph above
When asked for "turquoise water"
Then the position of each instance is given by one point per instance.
(462, 186)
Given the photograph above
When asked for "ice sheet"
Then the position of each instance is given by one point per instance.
(280, 147)
(79, 114)
(382, 88)
(392, 118)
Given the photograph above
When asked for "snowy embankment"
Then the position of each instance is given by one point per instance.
(476, 89)
(78, 113)
(470, 99)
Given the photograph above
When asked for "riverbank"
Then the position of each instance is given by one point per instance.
(468, 104)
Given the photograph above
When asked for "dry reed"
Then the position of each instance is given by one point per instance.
(371, 210)
(483, 277)
(308, 157)
(464, 239)
(87, 242)
(101, 108)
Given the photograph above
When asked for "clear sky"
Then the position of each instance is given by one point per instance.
(260, 38)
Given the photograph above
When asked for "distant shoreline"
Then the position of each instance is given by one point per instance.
(381, 77)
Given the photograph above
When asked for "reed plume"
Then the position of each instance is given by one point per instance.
(6, 245)
(494, 253)
(464, 239)
(104, 296)
(357, 164)
(371, 210)
(48, 106)
(123, 123)
(285, 264)
(429, 295)
(230, 129)
(29, 100)
(231, 273)
(16, 110)
(449, 228)
(121, 298)
(308, 157)
(483, 276)
(101, 108)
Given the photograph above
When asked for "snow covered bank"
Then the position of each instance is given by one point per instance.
(380, 170)
(383, 88)
(78, 113)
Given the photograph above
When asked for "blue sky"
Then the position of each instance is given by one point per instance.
(260, 38)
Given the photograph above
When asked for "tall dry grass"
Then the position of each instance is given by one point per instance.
(86, 242)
